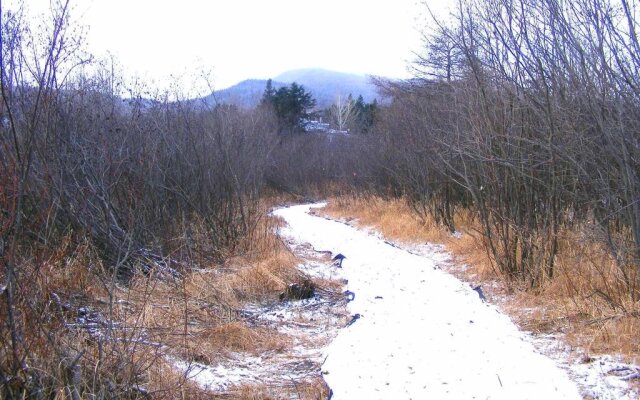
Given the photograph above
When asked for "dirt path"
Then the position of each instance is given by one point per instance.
(421, 332)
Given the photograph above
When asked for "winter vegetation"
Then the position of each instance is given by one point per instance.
(137, 246)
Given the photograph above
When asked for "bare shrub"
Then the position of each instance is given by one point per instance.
(310, 164)
(526, 112)
(97, 193)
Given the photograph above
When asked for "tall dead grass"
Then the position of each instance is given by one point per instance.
(88, 334)
(587, 300)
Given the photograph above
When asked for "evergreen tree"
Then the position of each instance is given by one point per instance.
(290, 104)
(268, 95)
(360, 103)
(365, 114)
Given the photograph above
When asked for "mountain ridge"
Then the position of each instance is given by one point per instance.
(324, 85)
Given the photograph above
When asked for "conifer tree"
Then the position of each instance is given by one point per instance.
(291, 105)
(269, 94)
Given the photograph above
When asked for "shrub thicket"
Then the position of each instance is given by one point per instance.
(529, 113)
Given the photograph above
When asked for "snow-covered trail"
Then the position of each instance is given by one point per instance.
(423, 334)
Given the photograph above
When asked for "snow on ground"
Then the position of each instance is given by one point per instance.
(310, 324)
(415, 331)
(598, 377)
(421, 333)
(602, 377)
(242, 369)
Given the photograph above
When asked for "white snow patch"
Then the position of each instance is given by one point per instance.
(243, 369)
(422, 333)
(603, 378)
(598, 377)
(318, 317)
(311, 324)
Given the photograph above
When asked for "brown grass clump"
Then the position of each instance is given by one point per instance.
(391, 217)
(196, 317)
(199, 316)
(395, 220)
(67, 360)
(588, 299)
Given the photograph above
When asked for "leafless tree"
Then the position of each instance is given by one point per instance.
(528, 113)
(131, 178)
(343, 112)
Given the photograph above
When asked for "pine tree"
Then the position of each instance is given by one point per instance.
(291, 105)
(268, 95)
(364, 114)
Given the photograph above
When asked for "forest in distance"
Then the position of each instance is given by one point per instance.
(522, 117)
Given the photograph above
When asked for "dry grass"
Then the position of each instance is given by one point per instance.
(196, 317)
(395, 220)
(587, 300)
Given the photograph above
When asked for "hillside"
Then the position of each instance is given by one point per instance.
(327, 85)
(246, 94)
(324, 85)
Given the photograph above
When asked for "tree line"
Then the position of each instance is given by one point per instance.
(294, 106)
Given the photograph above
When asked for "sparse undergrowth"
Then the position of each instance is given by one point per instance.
(585, 301)
(85, 333)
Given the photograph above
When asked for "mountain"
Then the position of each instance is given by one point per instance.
(246, 94)
(324, 86)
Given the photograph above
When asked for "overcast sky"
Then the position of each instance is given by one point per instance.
(240, 39)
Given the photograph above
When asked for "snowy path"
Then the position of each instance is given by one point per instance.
(423, 334)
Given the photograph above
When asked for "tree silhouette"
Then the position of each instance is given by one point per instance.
(291, 105)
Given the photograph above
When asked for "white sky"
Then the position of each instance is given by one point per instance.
(241, 39)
